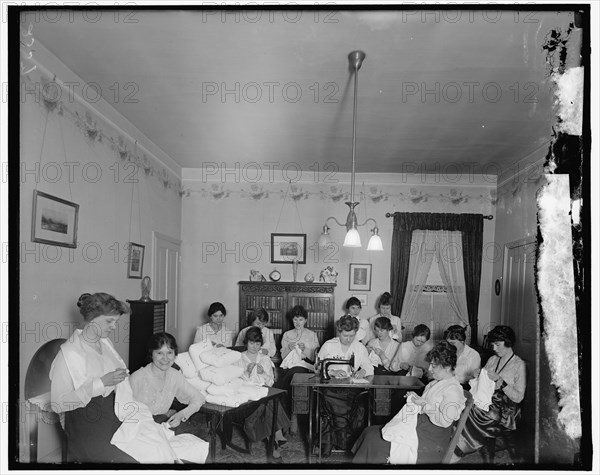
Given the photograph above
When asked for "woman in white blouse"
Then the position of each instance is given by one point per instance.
(469, 361)
(215, 330)
(382, 347)
(157, 385)
(343, 417)
(259, 318)
(440, 405)
(83, 378)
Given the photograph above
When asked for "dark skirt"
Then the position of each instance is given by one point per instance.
(343, 417)
(371, 448)
(501, 416)
(89, 430)
(382, 370)
(285, 382)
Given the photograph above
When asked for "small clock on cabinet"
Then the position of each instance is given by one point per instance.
(275, 276)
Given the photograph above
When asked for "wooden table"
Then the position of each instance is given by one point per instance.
(217, 414)
(305, 388)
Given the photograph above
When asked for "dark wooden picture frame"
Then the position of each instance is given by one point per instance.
(360, 277)
(54, 220)
(135, 260)
(287, 247)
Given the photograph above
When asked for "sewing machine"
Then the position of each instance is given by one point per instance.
(327, 362)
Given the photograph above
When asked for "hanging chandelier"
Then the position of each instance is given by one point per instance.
(352, 237)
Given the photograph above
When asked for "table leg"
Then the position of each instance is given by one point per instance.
(214, 422)
(271, 442)
(318, 408)
(310, 424)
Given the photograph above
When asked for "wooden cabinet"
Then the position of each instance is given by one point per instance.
(146, 319)
(278, 298)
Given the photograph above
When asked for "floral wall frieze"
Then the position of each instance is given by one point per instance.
(54, 100)
(415, 198)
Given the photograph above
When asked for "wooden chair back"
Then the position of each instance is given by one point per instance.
(37, 383)
(458, 427)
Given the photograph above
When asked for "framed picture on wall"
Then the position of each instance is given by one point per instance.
(54, 220)
(360, 277)
(135, 261)
(285, 248)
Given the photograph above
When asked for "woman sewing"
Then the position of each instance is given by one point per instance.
(508, 373)
(83, 378)
(343, 415)
(440, 405)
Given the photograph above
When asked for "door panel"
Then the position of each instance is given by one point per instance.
(166, 278)
(520, 312)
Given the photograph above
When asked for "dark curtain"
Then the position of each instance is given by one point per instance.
(471, 227)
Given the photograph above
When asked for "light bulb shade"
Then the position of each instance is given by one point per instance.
(375, 243)
(324, 240)
(352, 238)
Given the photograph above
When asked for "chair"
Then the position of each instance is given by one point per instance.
(458, 427)
(37, 395)
(505, 441)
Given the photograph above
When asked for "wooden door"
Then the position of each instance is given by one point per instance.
(165, 282)
(520, 312)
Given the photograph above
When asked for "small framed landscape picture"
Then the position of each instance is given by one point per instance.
(360, 277)
(285, 248)
(54, 220)
(135, 261)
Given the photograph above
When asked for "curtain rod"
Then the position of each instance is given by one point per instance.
(485, 216)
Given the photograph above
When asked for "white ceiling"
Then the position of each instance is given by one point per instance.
(493, 106)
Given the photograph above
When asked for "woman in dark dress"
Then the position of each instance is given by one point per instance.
(442, 403)
(84, 375)
(508, 372)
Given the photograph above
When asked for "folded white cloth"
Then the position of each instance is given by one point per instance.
(221, 376)
(229, 401)
(199, 384)
(482, 389)
(375, 359)
(149, 442)
(293, 359)
(184, 361)
(228, 389)
(401, 432)
(220, 357)
(196, 350)
(253, 391)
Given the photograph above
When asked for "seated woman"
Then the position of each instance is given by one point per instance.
(385, 310)
(300, 339)
(258, 368)
(83, 378)
(383, 346)
(410, 357)
(340, 429)
(259, 318)
(353, 308)
(158, 384)
(215, 330)
(441, 404)
(508, 372)
(469, 361)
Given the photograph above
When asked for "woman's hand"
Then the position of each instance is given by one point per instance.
(114, 377)
(301, 346)
(259, 369)
(218, 345)
(405, 366)
(493, 375)
(361, 373)
(264, 351)
(476, 373)
(177, 419)
(250, 367)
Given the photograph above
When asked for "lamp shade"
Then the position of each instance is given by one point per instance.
(324, 240)
(375, 243)
(352, 238)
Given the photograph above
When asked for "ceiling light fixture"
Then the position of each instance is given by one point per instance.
(352, 237)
